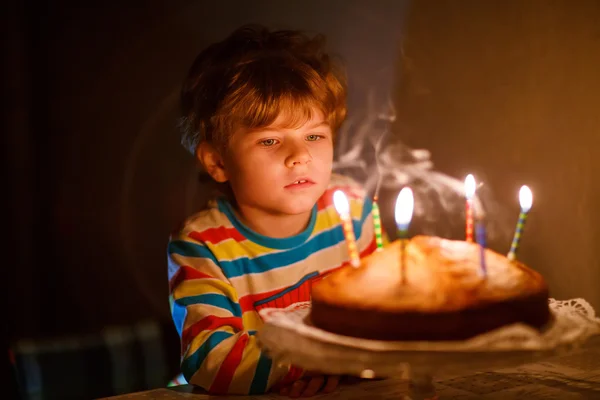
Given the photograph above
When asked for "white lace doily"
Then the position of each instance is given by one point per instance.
(288, 337)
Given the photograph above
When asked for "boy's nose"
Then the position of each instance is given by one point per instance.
(299, 156)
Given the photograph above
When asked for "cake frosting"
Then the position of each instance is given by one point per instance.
(444, 294)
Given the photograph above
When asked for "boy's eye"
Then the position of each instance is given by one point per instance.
(313, 138)
(268, 142)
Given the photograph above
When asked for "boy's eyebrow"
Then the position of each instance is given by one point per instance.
(308, 127)
(318, 124)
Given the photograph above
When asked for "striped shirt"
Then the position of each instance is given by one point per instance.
(221, 274)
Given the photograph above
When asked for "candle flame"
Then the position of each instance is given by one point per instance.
(404, 207)
(470, 187)
(525, 198)
(340, 202)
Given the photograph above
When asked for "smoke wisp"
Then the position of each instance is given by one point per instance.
(369, 151)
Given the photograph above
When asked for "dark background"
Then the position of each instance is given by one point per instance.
(96, 178)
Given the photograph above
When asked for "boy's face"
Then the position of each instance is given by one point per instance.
(281, 171)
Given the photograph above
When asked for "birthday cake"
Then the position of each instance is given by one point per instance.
(444, 293)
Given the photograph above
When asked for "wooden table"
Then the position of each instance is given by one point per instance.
(574, 376)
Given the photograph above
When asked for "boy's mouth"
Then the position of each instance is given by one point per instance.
(300, 182)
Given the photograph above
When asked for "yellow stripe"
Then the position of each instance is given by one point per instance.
(196, 312)
(242, 378)
(195, 287)
(325, 219)
(228, 250)
(281, 278)
(245, 372)
(252, 320)
(201, 338)
(356, 209)
(207, 372)
(201, 264)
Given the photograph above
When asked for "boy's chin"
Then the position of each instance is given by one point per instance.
(296, 207)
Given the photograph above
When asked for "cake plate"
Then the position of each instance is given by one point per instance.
(288, 337)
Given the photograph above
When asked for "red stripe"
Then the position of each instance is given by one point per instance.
(216, 235)
(184, 273)
(247, 301)
(301, 293)
(304, 295)
(227, 369)
(209, 323)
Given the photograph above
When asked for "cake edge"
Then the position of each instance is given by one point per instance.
(532, 310)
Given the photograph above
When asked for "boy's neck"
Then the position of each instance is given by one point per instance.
(276, 226)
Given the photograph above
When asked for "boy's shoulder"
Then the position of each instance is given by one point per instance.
(208, 219)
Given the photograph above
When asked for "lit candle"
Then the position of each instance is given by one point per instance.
(526, 201)
(470, 188)
(340, 201)
(377, 224)
(405, 204)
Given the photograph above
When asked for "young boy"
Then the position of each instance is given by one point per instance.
(260, 112)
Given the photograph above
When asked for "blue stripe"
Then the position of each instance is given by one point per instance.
(289, 289)
(178, 312)
(261, 375)
(269, 261)
(191, 364)
(273, 243)
(189, 249)
(213, 299)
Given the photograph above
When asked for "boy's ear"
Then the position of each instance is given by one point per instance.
(212, 161)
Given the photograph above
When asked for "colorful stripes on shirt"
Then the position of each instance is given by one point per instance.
(221, 274)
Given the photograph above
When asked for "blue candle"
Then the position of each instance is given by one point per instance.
(480, 233)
